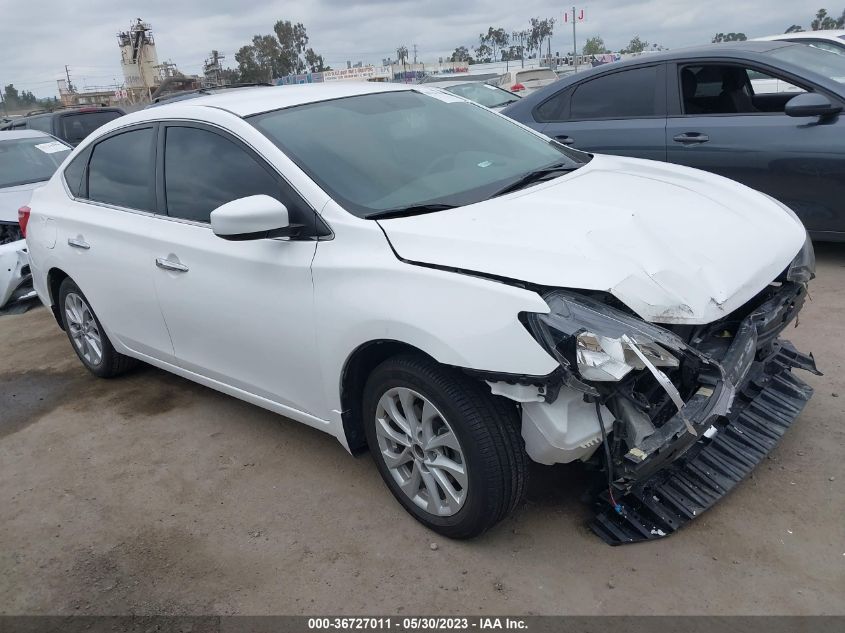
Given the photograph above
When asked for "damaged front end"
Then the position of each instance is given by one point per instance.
(684, 413)
(15, 276)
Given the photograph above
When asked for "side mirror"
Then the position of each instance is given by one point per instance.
(252, 218)
(811, 104)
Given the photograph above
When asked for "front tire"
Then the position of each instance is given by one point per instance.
(449, 451)
(87, 336)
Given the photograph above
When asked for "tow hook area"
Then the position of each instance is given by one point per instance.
(768, 403)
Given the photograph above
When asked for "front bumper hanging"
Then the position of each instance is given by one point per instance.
(767, 402)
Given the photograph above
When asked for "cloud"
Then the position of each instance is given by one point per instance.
(39, 38)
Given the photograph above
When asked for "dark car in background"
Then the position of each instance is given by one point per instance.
(766, 114)
(69, 124)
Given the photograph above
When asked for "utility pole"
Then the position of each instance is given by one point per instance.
(67, 74)
(415, 53)
(574, 42)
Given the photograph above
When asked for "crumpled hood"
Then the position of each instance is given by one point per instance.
(676, 245)
(13, 198)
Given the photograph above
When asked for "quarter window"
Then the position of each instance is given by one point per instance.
(75, 173)
(203, 170)
(122, 170)
(620, 95)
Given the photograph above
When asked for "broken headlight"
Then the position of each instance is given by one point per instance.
(599, 342)
(803, 267)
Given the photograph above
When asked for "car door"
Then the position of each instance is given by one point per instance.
(240, 312)
(730, 120)
(620, 112)
(102, 237)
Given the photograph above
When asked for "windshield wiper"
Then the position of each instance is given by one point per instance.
(414, 209)
(535, 176)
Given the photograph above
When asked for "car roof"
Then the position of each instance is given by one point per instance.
(8, 135)
(248, 101)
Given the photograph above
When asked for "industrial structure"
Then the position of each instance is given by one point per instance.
(142, 72)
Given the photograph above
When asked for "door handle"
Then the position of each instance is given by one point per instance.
(563, 138)
(167, 264)
(691, 138)
(78, 242)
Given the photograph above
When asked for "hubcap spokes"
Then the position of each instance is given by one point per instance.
(83, 329)
(421, 451)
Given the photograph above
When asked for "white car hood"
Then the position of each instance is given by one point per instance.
(13, 198)
(676, 245)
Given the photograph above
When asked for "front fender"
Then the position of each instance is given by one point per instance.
(363, 292)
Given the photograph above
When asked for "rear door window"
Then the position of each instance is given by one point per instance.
(620, 95)
(42, 123)
(122, 170)
(76, 126)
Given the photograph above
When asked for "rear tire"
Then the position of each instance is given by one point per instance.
(87, 336)
(458, 485)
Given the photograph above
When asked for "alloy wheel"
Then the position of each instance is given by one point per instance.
(83, 329)
(421, 451)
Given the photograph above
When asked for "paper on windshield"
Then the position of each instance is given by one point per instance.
(52, 147)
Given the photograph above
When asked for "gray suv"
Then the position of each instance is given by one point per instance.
(70, 124)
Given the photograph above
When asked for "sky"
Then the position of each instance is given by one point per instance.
(38, 38)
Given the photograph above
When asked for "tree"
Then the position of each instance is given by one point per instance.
(11, 96)
(292, 40)
(594, 46)
(278, 55)
(483, 53)
(635, 46)
(729, 37)
(496, 40)
(461, 54)
(540, 31)
(314, 63)
(821, 22)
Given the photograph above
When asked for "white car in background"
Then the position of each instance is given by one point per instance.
(479, 92)
(526, 81)
(417, 275)
(832, 41)
(28, 159)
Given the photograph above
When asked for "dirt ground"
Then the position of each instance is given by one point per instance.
(152, 495)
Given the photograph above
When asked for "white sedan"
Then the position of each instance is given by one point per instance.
(417, 275)
(27, 160)
(832, 41)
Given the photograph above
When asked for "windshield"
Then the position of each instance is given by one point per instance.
(485, 94)
(818, 60)
(79, 125)
(395, 150)
(26, 160)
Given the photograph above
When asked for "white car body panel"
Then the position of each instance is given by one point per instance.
(669, 258)
(274, 322)
(835, 37)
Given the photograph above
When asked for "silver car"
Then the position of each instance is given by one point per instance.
(27, 160)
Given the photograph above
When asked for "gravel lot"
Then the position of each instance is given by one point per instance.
(152, 495)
